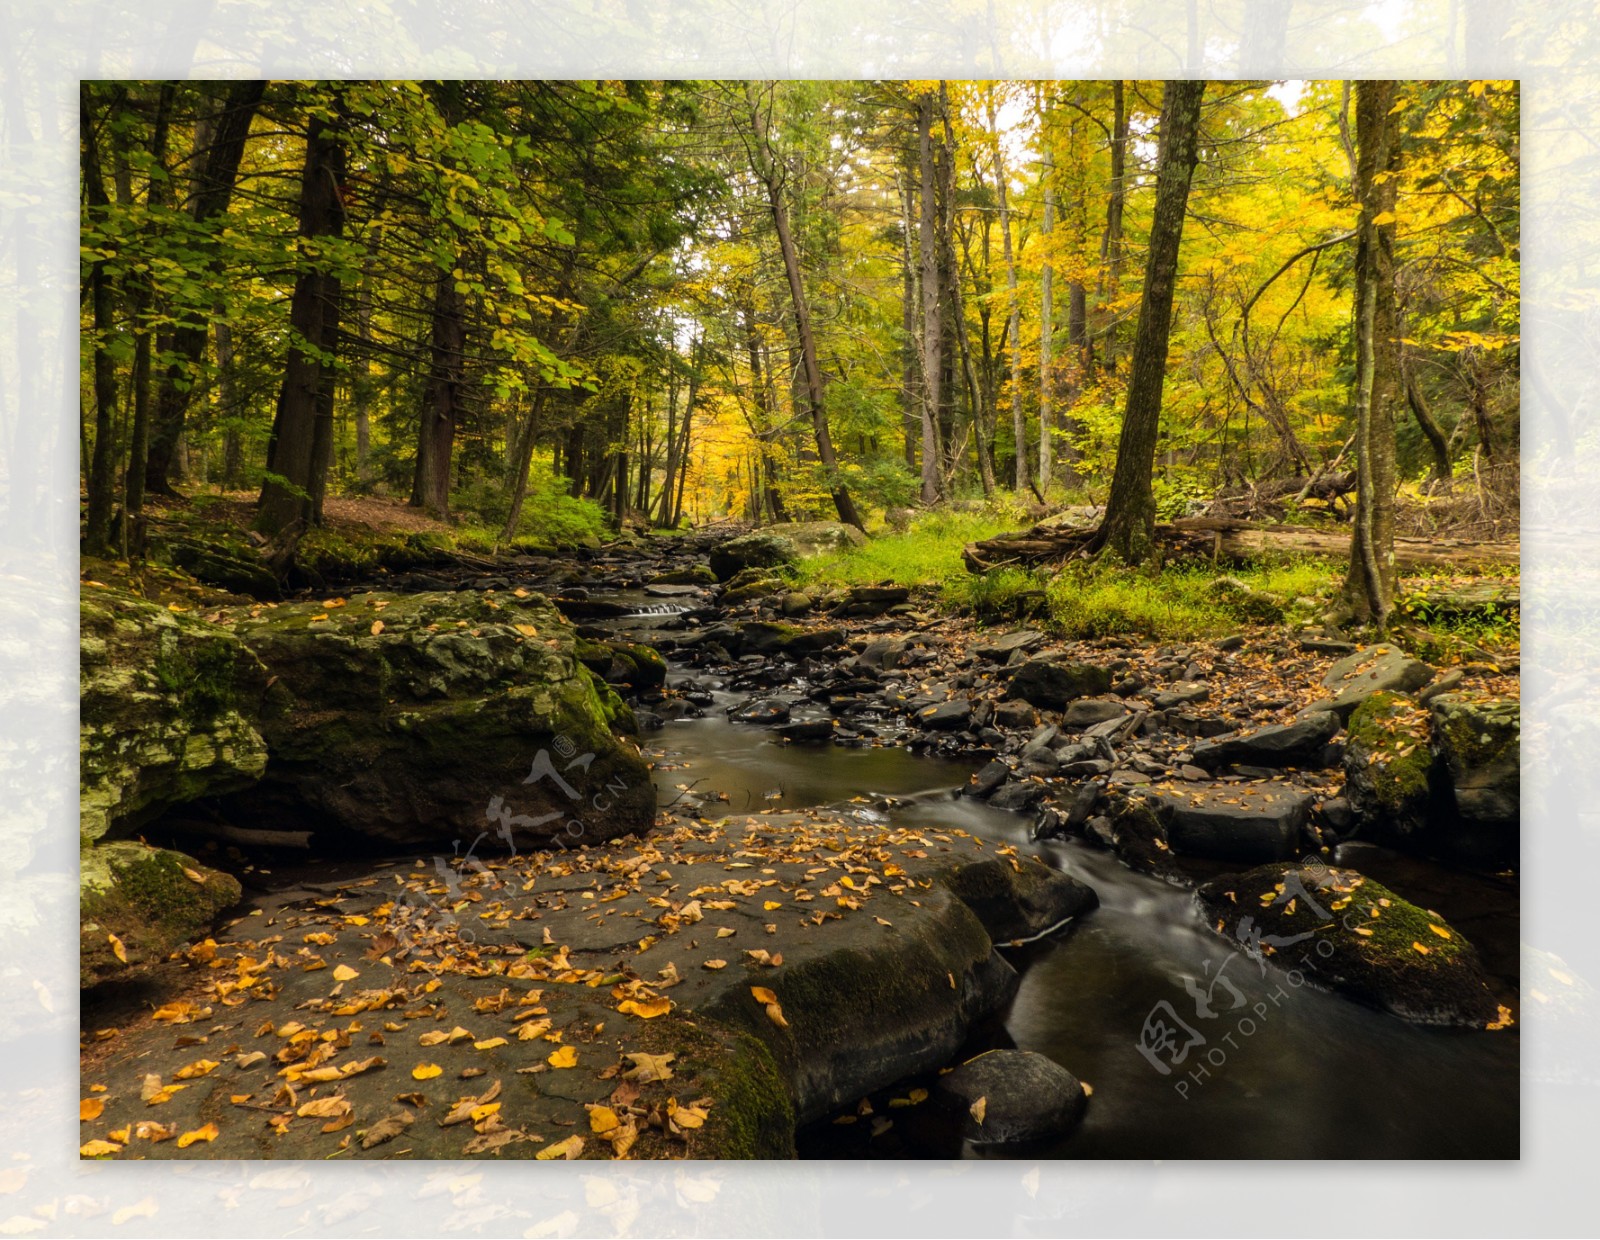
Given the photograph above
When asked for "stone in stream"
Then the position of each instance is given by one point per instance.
(658, 589)
(948, 716)
(1373, 669)
(1015, 714)
(1000, 649)
(1358, 937)
(695, 575)
(1017, 795)
(1086, 712)
(987, 778)
(806, 730)
(768, 638)
(1300, 743)
(1051, 684)
(1002, 1097)
(1479, 784)
(760, 710)
(1232, 822)
(1388, 767)
(404, 719)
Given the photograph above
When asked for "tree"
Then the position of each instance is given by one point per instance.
(932, 323)
(1369, 584)
(1129, 526)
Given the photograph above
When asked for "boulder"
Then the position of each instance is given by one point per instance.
(1373, 669)
(949, 716)
(1050, 684)
(814, 538)
(694, 575)
(871, 600)
(795, 603)
(1388, 764)
(806, 730)
(764, 550)
(788, 640)
(1348, 933)
(1086, 712)
(1006, 1096)
(883, 653)
(137, 904)
(1000, 649)
(421, 719)
(1477, 741)
(1233, 822)
(1301, 743)
(761, 710)
(629, 664)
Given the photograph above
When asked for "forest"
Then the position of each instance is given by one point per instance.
(542, 308)
(771, 619)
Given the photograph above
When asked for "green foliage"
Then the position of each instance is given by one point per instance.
(929, 553)
(550, 516)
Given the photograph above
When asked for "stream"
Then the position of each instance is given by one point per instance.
(1283, 1071)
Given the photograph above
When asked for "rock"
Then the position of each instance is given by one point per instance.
(814, 538)
(1301, 743)
(795, 603)
(1336, 815)
(420, 719)
(761, 710)
(871, 600)
(770, 638)
(1018, 795)
(694, 575)
(1015, 714)
(1388, 763)
(950, 716)
(1051, 685)
(629, 664)
(668, 590)
(1232, 642)
(985, 780)
(1447, 682)
(1233, 822)
(766, 550)
(753, 588)
(1193, 774)
(1373, 669)
(1182, 694)
(1318, 921)
(1478, 742)
(806, 730)
(1007, 1096)
(883, 653)
(1001, 648)
(237, 568)
(138, 904)
(168, 712)
(1086, 712)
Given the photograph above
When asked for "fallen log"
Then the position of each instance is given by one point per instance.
(1226, 539)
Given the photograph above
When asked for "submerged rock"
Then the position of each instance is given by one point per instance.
(424, 719)
(1342, 931)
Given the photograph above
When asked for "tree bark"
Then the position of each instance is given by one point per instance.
(289, 494)
(1369, 584)
(1046, 311)
(932, 333)
(910, 397)
(1019, 424)
(1128, 529)
(212, 193)
(441, 399)
(1116, 199)
(97, 516)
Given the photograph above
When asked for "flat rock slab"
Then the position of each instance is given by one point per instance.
(1051, 684)
(787, 964)
(1233, 822)
(1301, 743)
(1372, 669)
(1008, 1096)
(1000, 649)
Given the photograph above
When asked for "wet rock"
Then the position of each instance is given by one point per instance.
(1388, 770)
(1479, 790)
(950, 716)
(770, 638)
(694, 575)
(765, 550)
(806, 730)
(761, 710)
(1086, 712)
(1017, 795)
(1373, 669)
(1348, 933)
(1233, 822)
(987, 779)
(1301, 743)
(1085, 767)
(1051, 684)
(1006, 1096)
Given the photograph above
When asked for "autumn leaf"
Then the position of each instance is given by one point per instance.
(90, 1108)
(569, 1149)
(425, 1071)
(377, 627)
(769, 1001)
(488, 1044)
(387, 1129)
(208, 1133)
(603, 1119)
(117, 948)
(345, 973)
(97, 1149)
(645, 1009)
(527, 630)
(566, 1057)
(323, 1108)
(647, 1067)
(200, 1067)
(1418, 947)
(979, 1109)
(1439, 930)
(715, 964)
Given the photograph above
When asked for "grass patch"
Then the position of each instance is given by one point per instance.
(928, 553)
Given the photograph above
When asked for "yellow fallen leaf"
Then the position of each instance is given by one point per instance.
(345, 973)
(90, 1108)
(603, 1119)
(323, 1108)
(1415, 946)
(527, 630)
(763, 995)
(979, 1109)
(488, 1044)
(647, 1067)
(645, 1009)
(200, 1067)
(725, 933)
(769, 905)
(97, 1149)
(425, 1071)
(1439, 930)
(566, 1057)
(715, 964)
(117, 948)
(194, 876)
(480, 1113)
(209, 1133)
(1363, 932)
(570, 1148)
(377, 627)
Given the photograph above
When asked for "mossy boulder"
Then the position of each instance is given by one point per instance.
(788, 640)
(1341, 931)
(1478, 743)
(1383, 668)
(629, 664)
(748, 587)
(751, 551)
(168, 708)
(137, 904)
(1050, 683)
(813, 538)
(694, 575)
(422, 719)
(1388, 765)
(232, 565)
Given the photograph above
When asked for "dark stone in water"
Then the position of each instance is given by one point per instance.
(761, 710)
(1007, 1096)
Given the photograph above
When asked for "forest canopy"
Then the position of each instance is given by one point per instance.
(538, 307)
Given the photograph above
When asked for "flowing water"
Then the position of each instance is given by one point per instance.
(1275, 1071)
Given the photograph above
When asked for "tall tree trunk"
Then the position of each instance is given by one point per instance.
(232, 440)
(441, 399)
(1046, 309)
(1369, 584)
(97, 516)
(1129, 526)
(1437, 443)
(768, 171)
(932, 335)
(910, 398)
(765, 431)
(1019, 422)
(289, 494)
(1111, 246)
(212, 193)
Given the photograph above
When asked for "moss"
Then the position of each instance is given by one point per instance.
(1480, 733)
(1388, 747)
(200, 675)
(753, 1115)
